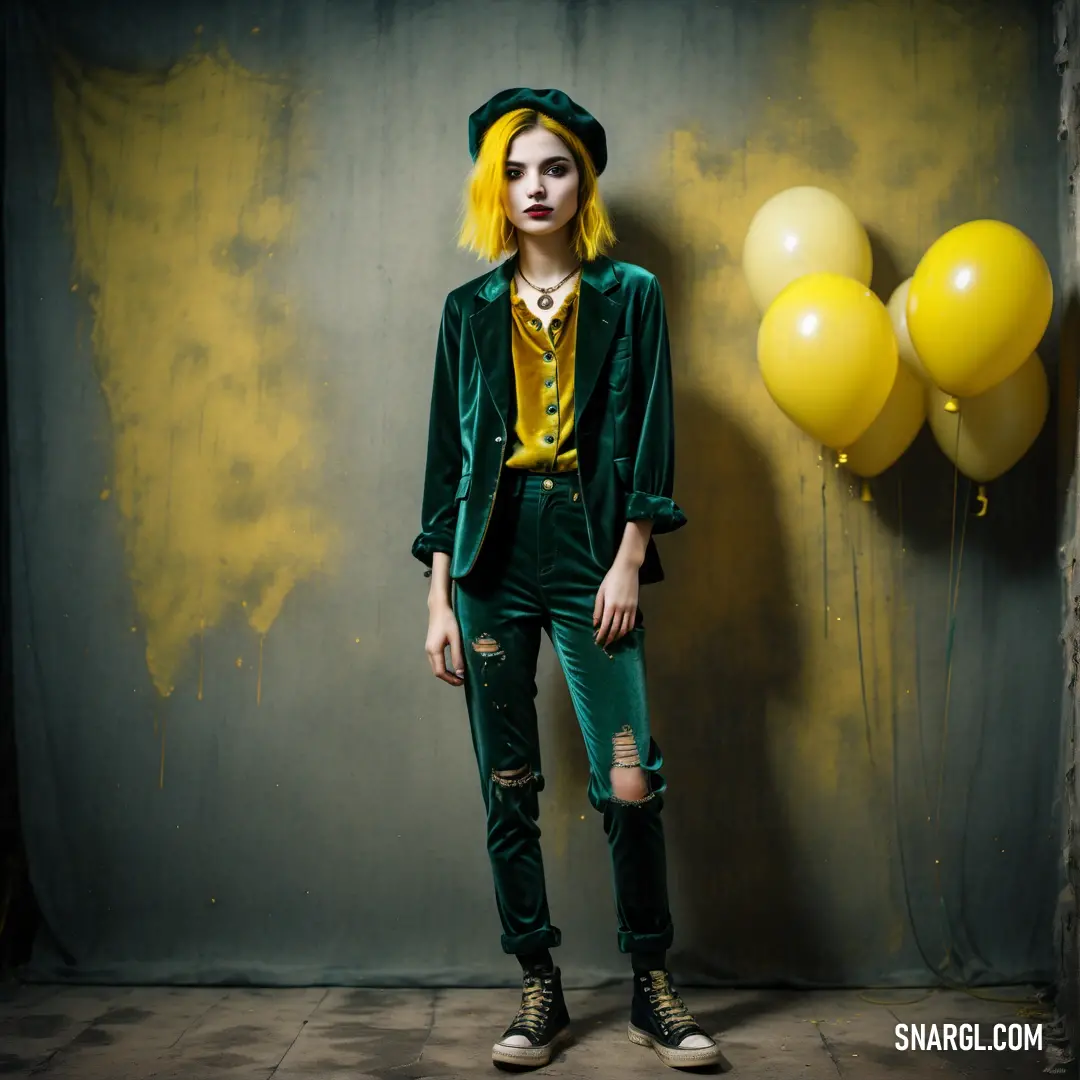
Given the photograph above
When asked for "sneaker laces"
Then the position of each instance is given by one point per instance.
(668, 1006)
(532, 1012)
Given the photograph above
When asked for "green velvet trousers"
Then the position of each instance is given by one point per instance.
(535, 572)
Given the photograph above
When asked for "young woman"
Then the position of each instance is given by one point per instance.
(549, 470)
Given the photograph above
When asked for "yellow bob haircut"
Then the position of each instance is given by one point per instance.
(486, 229)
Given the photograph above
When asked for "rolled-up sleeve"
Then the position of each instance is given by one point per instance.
(654, 463)
(438, 514)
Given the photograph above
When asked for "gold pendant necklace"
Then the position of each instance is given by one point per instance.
(545, 300)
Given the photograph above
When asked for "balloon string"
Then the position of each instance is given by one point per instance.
(944, 739)
(952, 526)
(950, 638)
(867, 728)
(900, 576)
(938, 969)
(825, 554)
(950, 643)
(950, 627)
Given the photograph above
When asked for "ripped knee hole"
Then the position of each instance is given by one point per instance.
(628, 783)
(486, 645)
(511, 778)
(624, 751)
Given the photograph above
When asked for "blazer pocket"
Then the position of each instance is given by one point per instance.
(619, 369)
(463, 486)
(624, 469)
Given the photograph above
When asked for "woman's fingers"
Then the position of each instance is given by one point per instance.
(618, 622)
(457, 654)
(605, 627)
(437, 660)
(436, 654)
(613, 622)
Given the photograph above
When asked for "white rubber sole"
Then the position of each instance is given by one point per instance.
(676, 1058)
(528, 1056)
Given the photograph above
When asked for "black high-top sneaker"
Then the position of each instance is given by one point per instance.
(540, 1024)
(658, 1018)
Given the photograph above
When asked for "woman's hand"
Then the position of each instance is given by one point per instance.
(616, 602)
(617, 598)
(443, 631)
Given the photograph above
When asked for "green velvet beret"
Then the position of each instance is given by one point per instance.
(553, 102)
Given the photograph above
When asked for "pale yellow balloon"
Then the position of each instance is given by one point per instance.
(997, 428)
(979, 304)
(803, 230)
(827, 354)
(894, 429)
(897, 309)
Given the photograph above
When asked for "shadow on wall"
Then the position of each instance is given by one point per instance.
(723, 644)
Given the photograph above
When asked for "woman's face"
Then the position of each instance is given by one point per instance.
(540, 172)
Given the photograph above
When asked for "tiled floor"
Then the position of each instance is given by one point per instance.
(102, 1033)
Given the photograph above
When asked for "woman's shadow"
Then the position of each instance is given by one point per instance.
(722, 643)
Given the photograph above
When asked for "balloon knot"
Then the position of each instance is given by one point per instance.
(867, 496)
(983, 501)
(952, 405)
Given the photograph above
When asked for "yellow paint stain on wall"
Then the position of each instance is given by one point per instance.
(179, 195)
(894, 117)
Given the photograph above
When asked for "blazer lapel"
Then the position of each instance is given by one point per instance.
(600, 304)
(600, 307)
(491, 332)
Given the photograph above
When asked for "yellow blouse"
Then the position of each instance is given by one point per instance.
(544, 385)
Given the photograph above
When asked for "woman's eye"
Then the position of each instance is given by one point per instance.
(558, 170)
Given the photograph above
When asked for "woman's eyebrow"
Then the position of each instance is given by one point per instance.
(546, 161)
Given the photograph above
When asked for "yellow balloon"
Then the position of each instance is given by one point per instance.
(827, 354)
(979, 304)
(897, 309)
(996, 428)
(804, 230)
(894, 428)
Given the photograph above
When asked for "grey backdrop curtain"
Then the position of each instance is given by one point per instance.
(230, 228)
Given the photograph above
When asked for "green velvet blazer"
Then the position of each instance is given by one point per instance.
(623, 413)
